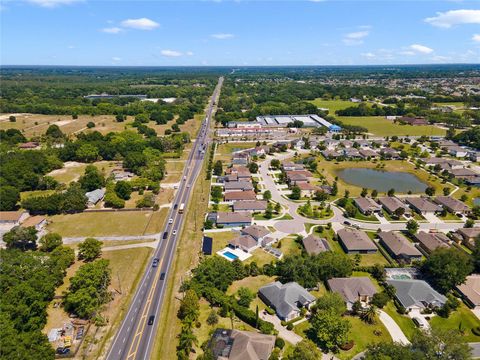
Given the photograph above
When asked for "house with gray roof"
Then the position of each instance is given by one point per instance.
(417, 294)
(241, 345)
(315, 245)
(250, 205)
(244, 242)
(423, 205)
(233, 219)
(367, 205)
(353, 289)
(356, 242)
(286, 299)
(241, 185)
(429, 242)
(392, 203)
(95, 196)
(398, 246)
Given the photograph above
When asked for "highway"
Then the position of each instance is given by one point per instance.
(136, 335)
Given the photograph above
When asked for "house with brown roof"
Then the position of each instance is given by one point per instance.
(468, 235)
(37, 221)
(29, 145)
(242, 185)
(423, 205)
(368, 154)
(392, 203)
(241, 345)
(398, 246)
(353, 289)
(13, 218)
(367, 205)
(314, 245)
(416, 121)
(470, 291)
(233, 219)
(250, 205)
(356, 242)
(244, 242)
(451, 204)
(239, 195)
(295, 178)
(307, 189)
(291, 166)
(431, 241)
(257, 232)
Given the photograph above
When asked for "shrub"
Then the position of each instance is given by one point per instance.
(476, 331)
(347, 346)
(270, 311)
(279, 343)
(290, 326)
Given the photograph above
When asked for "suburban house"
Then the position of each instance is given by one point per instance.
(286, 299)
(244, 242)
(256, 231)
(390, 153)
(367, 153)
(242, 172)
(307, 189)
(445, 163)
(294, 178)
(474, 156)
(416, 121)
(95, 196)
(431, 241)
(239, 195)
(29, 145)
(241, 345)
(234, 219)
(353, 289)
(416, 294)
(470, 291)
(315, 245)
(331, 154)
(367, 205)
(291, 166)
(122, 175)
(391, 204)
(451, 204)
(423, 205)
(352, 153)
(238, 186)
(37, 221)
(356, 242)
(13, 218)
(468, 235)
(250, 205)
(398, 246)
(457, 151)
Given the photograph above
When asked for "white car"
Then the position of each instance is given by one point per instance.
(170, 221)
(174, 232)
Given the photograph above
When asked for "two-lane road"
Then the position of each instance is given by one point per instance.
(136, 334)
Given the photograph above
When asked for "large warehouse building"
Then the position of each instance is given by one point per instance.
(307, 120)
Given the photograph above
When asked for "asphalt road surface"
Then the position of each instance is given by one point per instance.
(136, 335)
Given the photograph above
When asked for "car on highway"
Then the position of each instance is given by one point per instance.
(170, 221)
(162, 276)
(174, 232)
(184, 178)
(155, 262)
(165, 234)
(151, 319)
(175, 206)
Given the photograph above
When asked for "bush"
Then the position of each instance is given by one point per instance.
(347, 346)
(279, 343)
(476, 331)
(289, 326)
(380, 299)
(270, 311)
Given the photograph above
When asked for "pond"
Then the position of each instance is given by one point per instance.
(382, 181)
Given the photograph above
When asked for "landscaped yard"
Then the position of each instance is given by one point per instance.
(380, 126)
(405, 323)
(252, 283)
(462, 319)
(221, 239)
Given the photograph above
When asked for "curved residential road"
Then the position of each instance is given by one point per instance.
(297, 224)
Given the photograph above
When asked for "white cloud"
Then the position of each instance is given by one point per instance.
(422, 49)
(112, 30)
(222, 36)
(171, 53)
(71, 47)
(52, 3)
(476, 37)
(140, 24)
(368, 55)
(407, 52)
(454, 17)
(116, 59)
(189, 53)
(355, 38)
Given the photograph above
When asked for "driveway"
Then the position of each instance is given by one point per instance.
(395, 332)
(285, 334)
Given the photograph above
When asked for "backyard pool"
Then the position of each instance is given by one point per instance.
(382, 181)
(229, 255)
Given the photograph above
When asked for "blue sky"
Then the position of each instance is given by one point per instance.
(327, 32)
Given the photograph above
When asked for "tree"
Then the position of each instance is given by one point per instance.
(374, 193)
(275, 164)
(245, 296)
(218, 168)
(119, 118)
(380, 299)
(278, 208)
(189, 307)
(123, 189)
(305, 350)
(9, 196)
(399, 212)
(446, 191)
(90, 124)
(329, 330)
(476, 254)
(175, 128)
(469, 223)
(267, 195)
(89, 249)
(391, 192)
(87, 153)
(54, 131)
(296, 193)
(412, 226)
(350, 210)
(12, 118)
(21, 238)
(331, 302)
(369, 314)
(364, 192)
(269, 211)
(50, 242)
(92, 179)
(430, 191)
(253, 167)
(447, 268)
(212, 318)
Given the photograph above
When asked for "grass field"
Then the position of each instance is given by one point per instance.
(73, 170)
(461, 319)
(224, 151)
(405, 323)
(107, 223)
(379, 126)
(332, 105)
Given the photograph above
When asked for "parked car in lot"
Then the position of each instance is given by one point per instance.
(417, 321)
(80, 332)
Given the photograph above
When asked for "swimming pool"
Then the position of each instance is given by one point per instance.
(229, 255)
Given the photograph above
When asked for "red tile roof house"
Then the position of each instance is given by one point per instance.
(452, 205)
(367, 205)
(399, 247)
(239, 196)
(356, 242)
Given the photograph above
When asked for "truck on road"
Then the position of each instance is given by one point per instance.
(181, 208)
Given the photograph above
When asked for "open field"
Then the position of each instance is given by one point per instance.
(224, 151)
(36, 124)
(379, 126)
(332, 105)
(126, 223)
(72, 171)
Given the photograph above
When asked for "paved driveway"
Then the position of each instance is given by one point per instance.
(285, 334)
(395, 332)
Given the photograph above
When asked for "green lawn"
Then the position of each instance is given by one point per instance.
(289, 246)
(220, 239)
(462, 319)
(224, 151)
(405, 323)
(380, 126)
(332, 105)
(253, 283)
(26, 194)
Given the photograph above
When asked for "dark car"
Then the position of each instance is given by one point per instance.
(347, 223)
(165, 234)
(155, 262)
(151, 319)
(175, 206)
(63, 351)
(162, 276)
(80, 332)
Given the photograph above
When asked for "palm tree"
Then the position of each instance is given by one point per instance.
(369, 314)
